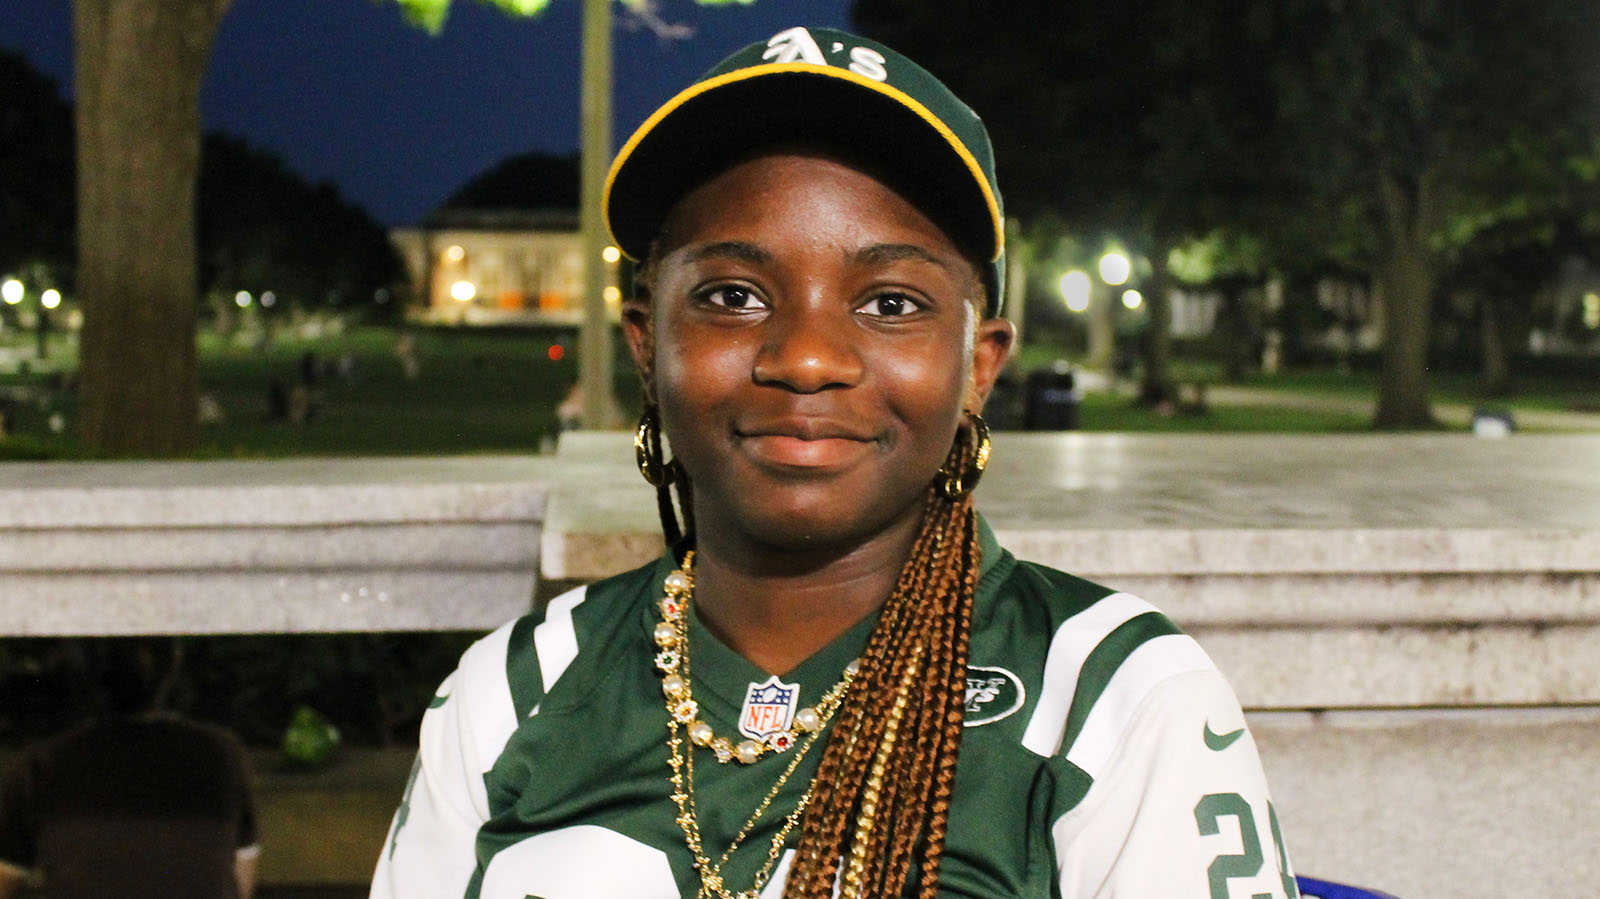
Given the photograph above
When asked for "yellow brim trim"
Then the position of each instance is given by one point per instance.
(888, 90)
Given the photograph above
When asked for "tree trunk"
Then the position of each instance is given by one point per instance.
(139, 65)
(1405, 285)
(1157, 385)
(1496, 366)
(1102, 328)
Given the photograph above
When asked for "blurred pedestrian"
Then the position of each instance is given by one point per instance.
(137, 803)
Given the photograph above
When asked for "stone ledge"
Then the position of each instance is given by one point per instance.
(1104, 505)
(300, 545)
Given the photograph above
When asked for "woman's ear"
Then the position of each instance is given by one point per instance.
(991, 348)
(639, 330)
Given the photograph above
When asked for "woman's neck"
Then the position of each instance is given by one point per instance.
(778, 608)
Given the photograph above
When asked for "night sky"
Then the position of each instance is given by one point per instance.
(345, 91)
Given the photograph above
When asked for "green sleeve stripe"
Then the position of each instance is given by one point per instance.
(1104, 661)
(522, 668)
(1073, 642)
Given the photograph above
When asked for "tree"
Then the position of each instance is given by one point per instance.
(138, 67)
(36, 202)
(1127, 122)
(1412, 110)
(263, 227)
(138, 141)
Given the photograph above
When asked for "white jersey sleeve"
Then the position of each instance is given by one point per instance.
(1178, 807)
(430, 852)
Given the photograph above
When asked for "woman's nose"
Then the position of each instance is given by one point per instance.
(809, 350)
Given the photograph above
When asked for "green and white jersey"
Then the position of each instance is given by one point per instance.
(1104, 755)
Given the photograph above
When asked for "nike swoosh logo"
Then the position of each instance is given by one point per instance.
(437, 701)
(1217, 742)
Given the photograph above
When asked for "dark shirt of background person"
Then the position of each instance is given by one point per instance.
(135, 803)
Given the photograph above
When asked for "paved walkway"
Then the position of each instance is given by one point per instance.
(1457, 416)
(1453, 415)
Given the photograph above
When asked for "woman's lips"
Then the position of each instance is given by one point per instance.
(805, 444)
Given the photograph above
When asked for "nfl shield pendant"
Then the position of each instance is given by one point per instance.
(768, 708)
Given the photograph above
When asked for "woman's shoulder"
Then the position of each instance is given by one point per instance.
(568, 635)
(1077, 645)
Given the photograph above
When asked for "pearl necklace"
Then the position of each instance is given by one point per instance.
(672, 636)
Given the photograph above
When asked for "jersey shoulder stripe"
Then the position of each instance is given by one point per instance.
(1101, 664)
(555, 642)
(1075, 639)
(483, 695)
(1154, 662)
(563, 642)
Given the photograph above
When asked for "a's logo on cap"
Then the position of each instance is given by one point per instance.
(797, 45)
(794, 45)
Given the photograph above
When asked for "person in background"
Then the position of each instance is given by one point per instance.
(137, 803)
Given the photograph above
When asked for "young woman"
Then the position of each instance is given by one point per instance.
(834, 681)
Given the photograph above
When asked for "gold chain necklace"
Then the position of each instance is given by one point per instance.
(672, 635)
(682, 711)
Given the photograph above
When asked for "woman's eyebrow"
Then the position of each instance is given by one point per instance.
(729, 249)
(882, 253)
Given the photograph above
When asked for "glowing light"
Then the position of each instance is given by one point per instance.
(1591, 310)
(611, 254)
(1115, 268)
(50, 299)
(1075, 290)
(612, 294)
(557, 352)
(1132, 299)
(268, 299)
(11, 291)
(242, 298)
(464, 290)
(454, 254)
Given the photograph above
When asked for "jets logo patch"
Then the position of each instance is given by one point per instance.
(992, 695)
(768, 708)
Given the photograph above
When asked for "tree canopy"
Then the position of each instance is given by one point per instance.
(36, 201)
(1380, 137)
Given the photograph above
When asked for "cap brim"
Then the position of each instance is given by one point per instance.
(723, 119)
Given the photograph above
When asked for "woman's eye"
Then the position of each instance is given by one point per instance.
(890, 305)
(732, 296)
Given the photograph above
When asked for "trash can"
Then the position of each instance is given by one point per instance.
(1050, 399)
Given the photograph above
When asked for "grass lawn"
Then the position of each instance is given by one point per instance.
(477, 392)
(497, 391)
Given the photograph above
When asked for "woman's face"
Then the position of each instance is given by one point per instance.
(815, 342)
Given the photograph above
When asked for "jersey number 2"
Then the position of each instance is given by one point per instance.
(1216, 806)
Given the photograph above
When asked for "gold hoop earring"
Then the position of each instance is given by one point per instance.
(956, 484)
(647, 450)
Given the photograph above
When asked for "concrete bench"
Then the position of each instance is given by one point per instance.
(1412, 621)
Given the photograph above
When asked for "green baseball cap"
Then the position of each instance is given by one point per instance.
(817, 85)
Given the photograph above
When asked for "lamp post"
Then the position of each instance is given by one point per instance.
(48, 301)
(595, 347)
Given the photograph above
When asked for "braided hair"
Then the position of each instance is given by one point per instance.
(889, 766)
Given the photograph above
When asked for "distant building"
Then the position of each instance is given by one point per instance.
(498, 267)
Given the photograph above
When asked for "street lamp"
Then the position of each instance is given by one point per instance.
(11, 291)
(1075, 290)
(1132, 299)
(50, 299)
(1115, 268)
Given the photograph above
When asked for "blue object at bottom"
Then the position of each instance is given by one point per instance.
(1312, 888)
